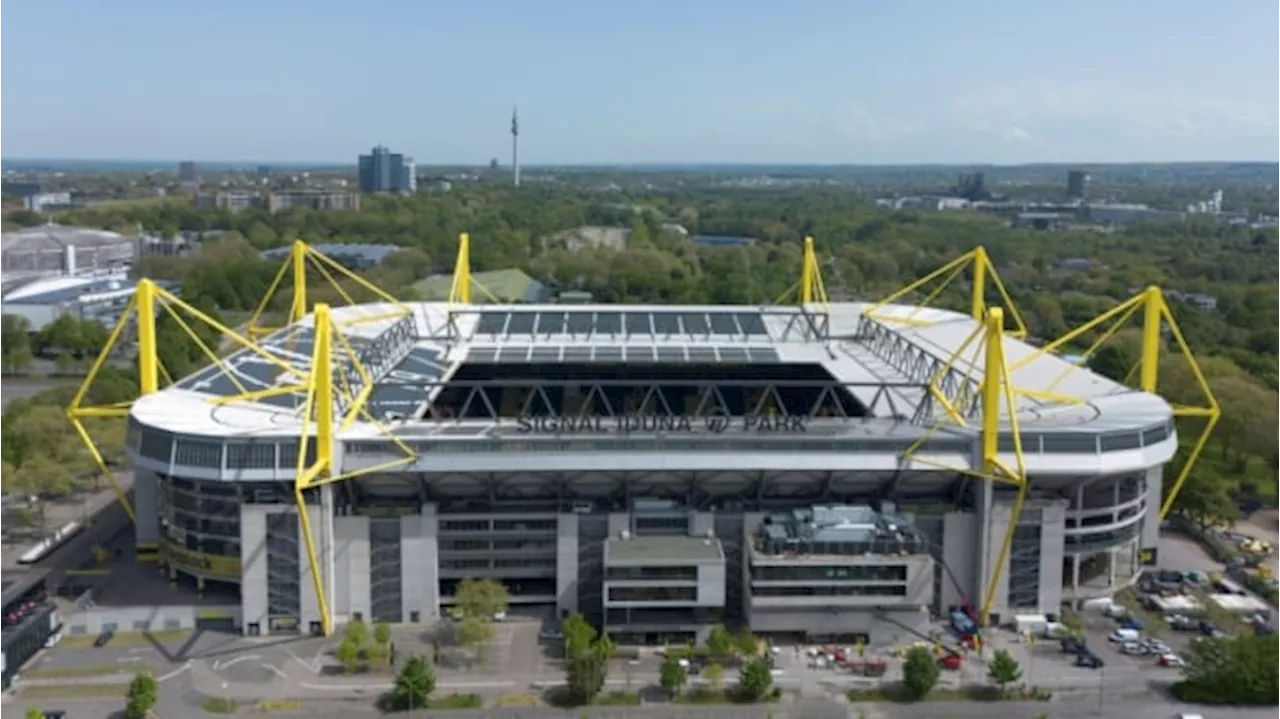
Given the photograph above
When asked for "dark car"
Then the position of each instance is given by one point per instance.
(103, 638)
(1089, 660)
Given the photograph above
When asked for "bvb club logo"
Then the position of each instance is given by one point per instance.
(717, 422)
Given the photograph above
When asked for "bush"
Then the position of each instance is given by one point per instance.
(919, 673)
(1243, 671)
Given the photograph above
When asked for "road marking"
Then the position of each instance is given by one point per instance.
(223, 665)
(476, 685)
(313, 667)
(174, 673)
(275, 670)
(129, 659)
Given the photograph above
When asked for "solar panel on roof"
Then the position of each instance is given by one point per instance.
(752, 323)
(482, 354)
(762, 354)
(609, 354)
(639, 354)
(545, 354)
(491, 323)
(702, 354)
(577, 353)
(733, 354)
(638, 323)
(694, 323)
(670, 354)
(513, 355)
(580, 323)
(722, 324)
(666, 323)
(609, 323)
(521, 323)
(550, 323)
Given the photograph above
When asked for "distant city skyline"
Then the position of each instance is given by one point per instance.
(1001, 82)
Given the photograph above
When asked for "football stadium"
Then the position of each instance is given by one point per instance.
(815, 470)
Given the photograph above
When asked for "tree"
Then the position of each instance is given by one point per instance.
(919, 673)
(715, 675)
(746, 642)
(15, 344)
(414, 685)
(754, 681)
(586, 659)
(672, 675)
(473, 633)
(482, 598)
(35, 713)
(141, 697)
(1003, 670)
(348, 652)
(382, 633)
(720, 642)
(1239, 670)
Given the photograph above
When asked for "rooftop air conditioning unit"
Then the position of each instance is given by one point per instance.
(626, 535)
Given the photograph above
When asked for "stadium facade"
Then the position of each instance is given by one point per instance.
(821, 470)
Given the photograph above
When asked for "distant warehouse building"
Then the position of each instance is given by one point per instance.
(511, 286)
(356, 257)
(98, 298)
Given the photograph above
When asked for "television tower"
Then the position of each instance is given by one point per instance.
(515, 146)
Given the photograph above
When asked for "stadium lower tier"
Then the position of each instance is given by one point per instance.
(658, 557)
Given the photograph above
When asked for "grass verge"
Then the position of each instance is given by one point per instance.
(895, 693)
(618, 699)
(124, 639)
(88, 671)
(456, 701)
(219, 705)
(74, 691)
(518, 700)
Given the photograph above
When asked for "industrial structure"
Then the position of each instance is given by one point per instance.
(809, 469)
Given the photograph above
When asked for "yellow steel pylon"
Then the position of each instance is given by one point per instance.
(809, 289)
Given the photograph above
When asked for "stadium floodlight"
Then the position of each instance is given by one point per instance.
(1156, 316)
(980, 263)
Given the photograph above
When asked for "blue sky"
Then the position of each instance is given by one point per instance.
(597, 81)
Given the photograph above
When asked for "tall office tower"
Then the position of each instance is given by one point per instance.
(1077, 182)
(188, 173)
(385, 171)
(515, 146)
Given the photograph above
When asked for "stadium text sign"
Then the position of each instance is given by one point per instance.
(679, 424)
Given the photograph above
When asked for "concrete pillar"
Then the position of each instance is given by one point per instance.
(566, 564)
(146, 507)
(351, 564)
(1052, 547)
(1150, 538)
(253, 566)
(1111, 567)
(993, 526)
(420, 565)
(958, 529)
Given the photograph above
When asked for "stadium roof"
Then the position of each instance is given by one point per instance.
(406, 355)
(55, 290)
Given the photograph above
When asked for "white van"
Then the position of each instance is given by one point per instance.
(1124, 635)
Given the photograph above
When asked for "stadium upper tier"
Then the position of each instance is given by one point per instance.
(441, 366)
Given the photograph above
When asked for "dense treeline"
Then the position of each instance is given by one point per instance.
(866, 253)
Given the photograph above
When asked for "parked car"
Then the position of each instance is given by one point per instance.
(1089, 660)
(1133, 623)
(1124, 635)
(1132, 648)
(1180, 622)
(1171, 660)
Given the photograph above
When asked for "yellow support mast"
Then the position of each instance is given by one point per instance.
(984, 275)
(319, 406)
(810, 288)
(460, 291)
(1156, 318)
